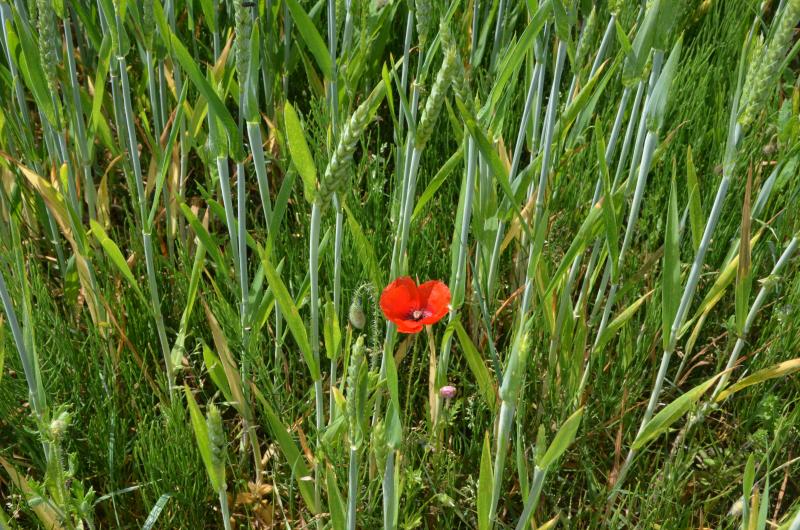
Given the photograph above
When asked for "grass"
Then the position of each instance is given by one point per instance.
(139, 286)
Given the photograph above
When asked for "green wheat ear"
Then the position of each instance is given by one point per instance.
(216, 438)
(48, 42)
(582, 53)
(435, 101)
(337, 177)
(763, 71)
(244, 29)
(424, 13)
(353, 403)
(148, 23)
(460, 81)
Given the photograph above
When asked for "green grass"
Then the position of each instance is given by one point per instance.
(110, 424)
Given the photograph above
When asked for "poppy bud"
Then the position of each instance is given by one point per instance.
(356, 315)
(60, 425)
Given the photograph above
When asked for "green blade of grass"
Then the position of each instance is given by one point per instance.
(311, 37)
(671, 275)
(299, 151)
(663, 420)
(291, 314)
(116, 257)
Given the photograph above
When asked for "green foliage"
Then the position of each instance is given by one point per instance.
(563, 384)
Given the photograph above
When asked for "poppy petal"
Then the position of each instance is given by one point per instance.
(435, 301)
(399, 299)
(408, 326)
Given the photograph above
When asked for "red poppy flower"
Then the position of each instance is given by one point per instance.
(412, 307)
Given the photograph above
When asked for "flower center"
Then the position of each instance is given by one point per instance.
(419, 314)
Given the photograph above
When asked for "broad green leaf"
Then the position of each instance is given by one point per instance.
(476, 365)
(743, 272)
(585, 100)
(661, 422)
(609, 211)
(516, 365)
(228, 365)
(616, 324)
(642, 44)
(332, 332)
(209, 13)
(513, 59)
(721, 284)
(204, 87)
(586, 233)
(387, 82)
(335, 502)
(495, 164)
(311, 37)
(203, 443)
(116, 257)
(657, 107)
(779, 370)
(622, 38)
(29, 63)
(166, 158)
(290, 451)
(88, 26)
(291, 314)
(394, 428)
(45, 512)
(747, 487)
(216, 371)
(563, 17)
(2, 345)
(366, 252)
(206, 239)
(671, 275)
(436, 182)
(696, 220)
(198, 266)
(155, 511)
(250, 110)
(103, 62)
(316, 85)
(279, 208)
(299, 151)
(563, 439)
(485, 486)
(761, 523)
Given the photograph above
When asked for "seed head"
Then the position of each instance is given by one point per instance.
(216, 438)
(244, 29)
(587, 38)
(435, 100)
(424, 12)
(148, 24)
(354, 404)
(763, 71)
(336, 178)
(49, 43)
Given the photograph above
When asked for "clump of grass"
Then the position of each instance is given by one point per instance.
(532, 154)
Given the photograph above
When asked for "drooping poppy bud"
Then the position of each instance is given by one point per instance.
(356, 314)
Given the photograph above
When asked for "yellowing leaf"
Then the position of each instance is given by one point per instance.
(779, 370)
